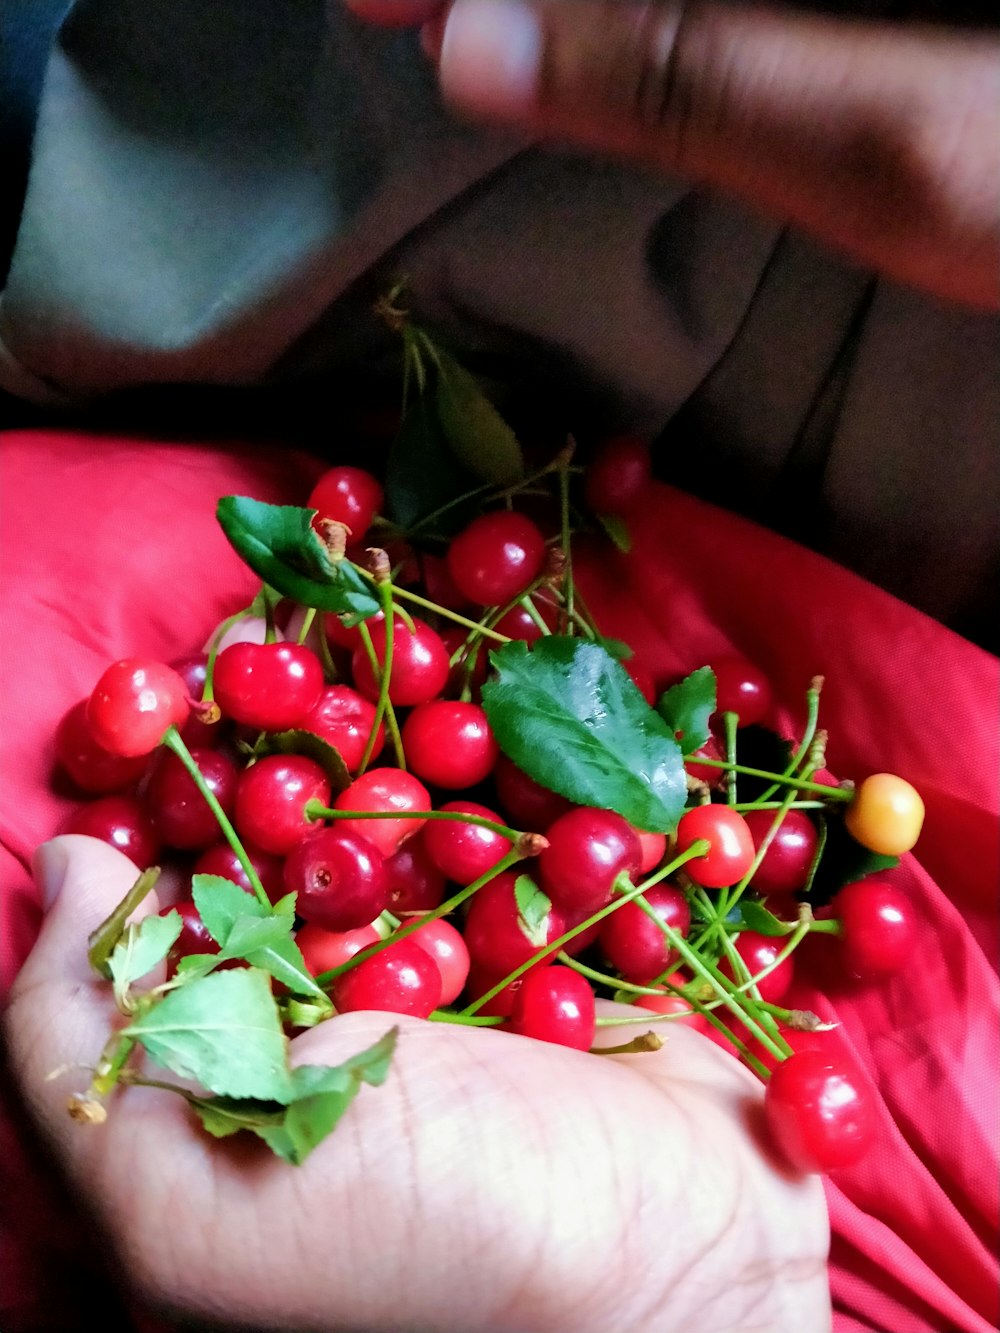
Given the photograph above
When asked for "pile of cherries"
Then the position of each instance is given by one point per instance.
(408, 854)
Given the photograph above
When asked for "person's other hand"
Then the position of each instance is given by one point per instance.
(493, 1183)
(880, 140)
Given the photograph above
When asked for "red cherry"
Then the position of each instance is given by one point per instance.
(344, 719)
(133, 704)
(445, 945)
(789, 856)
(194, 937)
(415, 882)
(712, 777)
(587, 850)
(653, 847)
(400, 979)
(879, 928)
(758, 952)
(472, 666)
(182, 816)
(339, 879)
(496, 939)
(93, 769)
(121, 821)
(496, 557)
(450, 744)
(731, 849)
(464, 852)
(385, 790)
(819, 1113)
(221, 860)
(348, 495)
(518, 623)
(633, 943)
(527, 803)
(420, 664)
(555, 1004)
(618, 476)
(502, 1003)
(195, 732)
(272, 686)
(323, 950)
(741, 688)
(271, 800)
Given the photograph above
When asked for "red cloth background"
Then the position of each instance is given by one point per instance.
(110, 548)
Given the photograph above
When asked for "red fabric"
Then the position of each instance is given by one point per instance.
(110, 547)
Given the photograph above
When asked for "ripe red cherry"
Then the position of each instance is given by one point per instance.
(445, 945)
(555, 1004)
(618, 475)
(420, 665)
(528, 804)
(879, 927)
(819, 1112)
(741, 688)
(653, 847)
(221, 860)
(502, 1003)
(712, 777)
(758, 952)
(496, 557)
(181, 814)
(194, 937)
(271, 800)
(731, 849)
(133, 704)
(789, 856)
(450, 744)
(323, 950)
(385, 790)
(339, 878)
(400, 979)
(267, 685)
(496, 940)
(587, 850)
(348, 495)
(518, 623)
(415, 882)
(121, 821)
(346, 636)
(463, 852)
(343, 718)
(92, 768)
(634, 945)
(472, 667)
(193, 671)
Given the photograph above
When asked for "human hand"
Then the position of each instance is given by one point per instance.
(880, 140)
(493, 1183)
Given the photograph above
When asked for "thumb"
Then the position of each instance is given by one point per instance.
(877, 138)
(59, 1012)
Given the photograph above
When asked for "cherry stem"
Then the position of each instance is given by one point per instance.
(799, 784)
(449, 905)
(307, 624)
(747, 987)
(726, 902)
(109, 1066)
(314, 810)
(466, 1020)
(617, 983)
(450, 615)
(207, 694)
(172, 740)
(812, 717)
(535, 615)
(383, 708)
(731, 721)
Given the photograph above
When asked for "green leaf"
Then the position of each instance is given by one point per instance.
(103, 940)
(687, 706)
(279, 544)
(283, 959)
(570, 716)
(756, 917)
(476, 432)
(617, 529)
(220, 903)
(142, 947)
(533, 909)
(313, 747)
(423, 474)
(223, 1116)
(222, 1030)
(249, 934)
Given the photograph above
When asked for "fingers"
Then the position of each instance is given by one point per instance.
(879, 139)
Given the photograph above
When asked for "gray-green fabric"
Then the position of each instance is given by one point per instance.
(216, 188)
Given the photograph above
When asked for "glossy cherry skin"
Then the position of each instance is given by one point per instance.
(496, 557)
(618, 475)
(502, 1003)
(182, 816)
(92, 768)
(344, 718)
(271, 800)
(134, 703)
(555, 1004)
(758, 952)
(420, 666)
(221, 860)
(415, 882)
(339, 879)
(385, 790)
(742, 688)
(496, 941)
(518, 623)
(529, 805)
(448, 949)
(450, 744)
(193, 671)
(272, 686)
(789, 856)
(349, 495)
(885, 815)
(820, 1114)
(323, 950)
(879, 928)
(634, 945)
(464, 852)
(194, 937)
(712, 777)
(731, 849)
(121, 821)
(587, 851)
(653, 847)
(400, 979)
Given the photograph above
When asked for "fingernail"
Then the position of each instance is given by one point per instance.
(491, 56)
(50, 864)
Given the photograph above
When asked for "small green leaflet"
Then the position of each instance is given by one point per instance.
(756, 917)
(314, 747)
(141, 948)
(222, 1030)
(533, 909)
(318, 1097)
(423, 474)
(102, 941)
(476, 433)
(279, 544)
(617, 529)
(221, 903)
(570, 716)
(687, 706)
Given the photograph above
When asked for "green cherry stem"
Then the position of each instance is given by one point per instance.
(730, 722)
(307, 624)
(728, 898)
(799, 784)
(616, 983)
(812, 717)
(535, 615)
(207, 694)
(172, 741)
(314, 811)
(466, 1020)
(444, 611)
